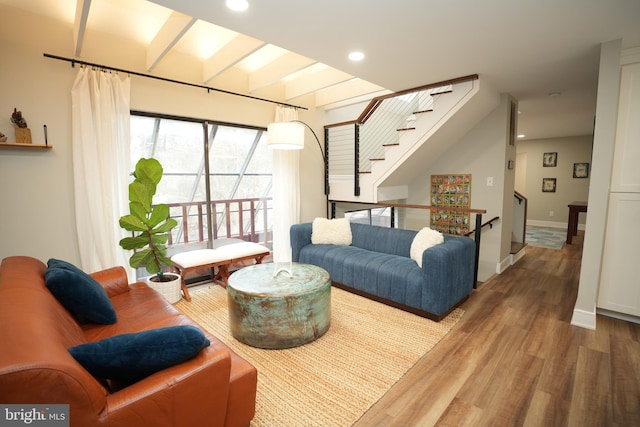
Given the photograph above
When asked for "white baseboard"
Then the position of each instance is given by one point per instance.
(517, 256)
(584, 319)
(552, 224)
(503, 265)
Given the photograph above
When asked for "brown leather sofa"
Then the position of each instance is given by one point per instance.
(215, 388)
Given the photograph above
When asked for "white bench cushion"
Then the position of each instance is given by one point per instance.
(199, 257)
(244, 249)
(223, 253)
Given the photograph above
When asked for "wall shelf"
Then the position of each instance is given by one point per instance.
(16, 145)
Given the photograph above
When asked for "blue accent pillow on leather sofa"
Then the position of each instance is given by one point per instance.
(79, 293)
(128, 358)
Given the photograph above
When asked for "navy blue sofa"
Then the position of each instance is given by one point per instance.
(378, 265)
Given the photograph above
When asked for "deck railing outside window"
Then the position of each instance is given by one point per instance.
(246, 219)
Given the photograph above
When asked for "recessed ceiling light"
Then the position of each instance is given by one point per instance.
(238, 5)
(356, 56)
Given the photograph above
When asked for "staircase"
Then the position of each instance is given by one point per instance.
(375, 157)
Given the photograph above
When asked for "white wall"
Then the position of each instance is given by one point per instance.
(37, 214)
(576, 149)
(482, 153)
(584, 312)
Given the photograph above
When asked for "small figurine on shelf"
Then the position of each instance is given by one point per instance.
(3, 137)
(17, 119)
(23, 134)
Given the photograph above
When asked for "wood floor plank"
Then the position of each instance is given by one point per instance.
(625, 374)
(511, 405)
(514, 359)
(591, 402)
(459, 414)
(538, 409)
(487, 380)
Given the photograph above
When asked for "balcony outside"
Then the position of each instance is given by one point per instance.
(235, 202)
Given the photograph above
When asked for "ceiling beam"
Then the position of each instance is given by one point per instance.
(170, 33)
(354, 88)
(230, 54)
(80, 24)
(306, 83)
(278, 69)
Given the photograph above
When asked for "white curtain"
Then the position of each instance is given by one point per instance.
(101, 166)
(286, 194)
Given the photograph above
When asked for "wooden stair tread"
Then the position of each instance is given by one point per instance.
(517, 247)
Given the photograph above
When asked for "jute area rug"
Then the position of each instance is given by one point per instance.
(334, 380)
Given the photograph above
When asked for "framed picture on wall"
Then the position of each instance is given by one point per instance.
(581, 170)
(550, 160)
(548, 185)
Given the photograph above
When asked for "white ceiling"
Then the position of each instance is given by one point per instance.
(528, 48)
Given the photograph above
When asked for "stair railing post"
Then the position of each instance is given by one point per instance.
(326, 161)
(477, 240)
(356, 166)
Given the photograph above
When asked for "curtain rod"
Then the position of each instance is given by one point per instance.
(105, 67)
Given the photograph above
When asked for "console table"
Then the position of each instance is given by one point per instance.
(574, 210)
(279, 312)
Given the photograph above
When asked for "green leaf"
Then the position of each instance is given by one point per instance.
(138, 211)
(130, 243)
(165, 260)
(141, 193)
(167, 226)
(153, 266)
(140, 258)
(132, 223)
(149, 170)
(159, 239)
(158, 215)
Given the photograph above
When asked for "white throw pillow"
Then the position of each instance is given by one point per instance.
(331, 231)
(423, 241)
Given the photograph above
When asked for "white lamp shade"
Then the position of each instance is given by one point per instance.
(285, 136)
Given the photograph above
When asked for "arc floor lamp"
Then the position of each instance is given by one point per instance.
(290, 136)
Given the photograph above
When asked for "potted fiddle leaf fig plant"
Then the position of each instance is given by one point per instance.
(150, 226)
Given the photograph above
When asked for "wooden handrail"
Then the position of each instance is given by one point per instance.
(335, 125)
(410, 206)
(375, 102)
(521, 199)
(489, 223)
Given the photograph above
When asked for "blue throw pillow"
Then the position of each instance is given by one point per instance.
(79, 293)
(128, 358)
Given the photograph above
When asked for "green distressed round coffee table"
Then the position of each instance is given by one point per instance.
(279, 312)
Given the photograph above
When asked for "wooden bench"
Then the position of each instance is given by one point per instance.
(224, 253)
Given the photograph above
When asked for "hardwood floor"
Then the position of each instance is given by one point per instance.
(515, 359)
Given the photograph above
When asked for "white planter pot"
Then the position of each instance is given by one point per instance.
(169, 290)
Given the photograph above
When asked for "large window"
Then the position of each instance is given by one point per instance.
(238, 203)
